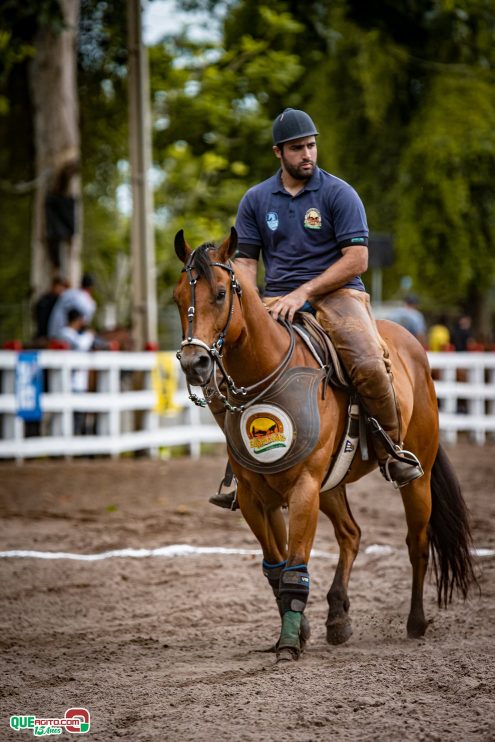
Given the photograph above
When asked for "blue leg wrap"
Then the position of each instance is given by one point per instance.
(272, 573)
(294, 588)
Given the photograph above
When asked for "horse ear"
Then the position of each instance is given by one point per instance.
(182, 249)
(227, 249)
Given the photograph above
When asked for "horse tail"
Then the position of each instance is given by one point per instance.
(451, 543)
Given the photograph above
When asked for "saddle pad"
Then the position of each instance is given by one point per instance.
(281, 429)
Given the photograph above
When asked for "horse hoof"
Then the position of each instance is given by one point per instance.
(416, 631)
(287, 654)
(339, 632)
(416, 625)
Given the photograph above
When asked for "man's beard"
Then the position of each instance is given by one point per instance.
(295, 172)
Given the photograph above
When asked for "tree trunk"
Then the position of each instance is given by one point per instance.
(56, 124)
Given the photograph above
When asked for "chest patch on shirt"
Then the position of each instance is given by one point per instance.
(272, 220)
(312, 219)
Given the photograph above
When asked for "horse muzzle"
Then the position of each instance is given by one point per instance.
(197, 365)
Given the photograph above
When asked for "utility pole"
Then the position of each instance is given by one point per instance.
(144, 304)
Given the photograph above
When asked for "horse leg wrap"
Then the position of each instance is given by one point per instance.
(272, 573)
(294, 588)
(290, 634)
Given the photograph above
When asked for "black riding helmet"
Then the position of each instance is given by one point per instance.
(292, 124)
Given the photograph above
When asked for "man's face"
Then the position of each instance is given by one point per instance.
(298, 157)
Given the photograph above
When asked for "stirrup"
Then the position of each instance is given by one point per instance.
(406, 465)
(226, 500)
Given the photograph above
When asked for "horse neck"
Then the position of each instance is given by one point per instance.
(261, 344)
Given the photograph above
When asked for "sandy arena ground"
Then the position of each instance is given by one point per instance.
(168, 648)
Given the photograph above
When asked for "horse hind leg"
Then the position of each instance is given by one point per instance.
(416, 497)
(348, 534)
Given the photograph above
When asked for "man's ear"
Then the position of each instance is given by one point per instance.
(228, 248)
(182, 249)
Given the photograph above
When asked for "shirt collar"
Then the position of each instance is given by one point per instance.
(313, 183)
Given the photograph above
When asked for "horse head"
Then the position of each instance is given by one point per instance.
(205, 296)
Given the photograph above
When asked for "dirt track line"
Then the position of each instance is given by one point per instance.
(178, 550)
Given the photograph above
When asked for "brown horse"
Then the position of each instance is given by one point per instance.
(228, 331)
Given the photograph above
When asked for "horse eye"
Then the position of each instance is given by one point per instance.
(221, 294)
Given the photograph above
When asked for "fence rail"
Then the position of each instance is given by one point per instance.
(124, 417)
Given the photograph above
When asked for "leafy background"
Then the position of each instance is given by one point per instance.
(402, 93)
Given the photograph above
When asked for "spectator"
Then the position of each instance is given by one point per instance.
(462, 334)
(78, 338)
(44, 306)
(80, 299)
(411, 318)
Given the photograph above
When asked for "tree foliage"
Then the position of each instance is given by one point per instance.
(402, 93)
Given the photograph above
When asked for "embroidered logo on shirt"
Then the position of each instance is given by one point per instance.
(312, 219)
(272, 220)
(361, 240)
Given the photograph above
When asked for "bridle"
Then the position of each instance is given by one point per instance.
(216, 348)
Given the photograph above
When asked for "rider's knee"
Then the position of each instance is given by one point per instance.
(370, 376)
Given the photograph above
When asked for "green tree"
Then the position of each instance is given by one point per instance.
(212, 128)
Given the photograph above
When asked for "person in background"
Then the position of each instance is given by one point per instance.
(77, 337)
(80, 299)
(44, 306)
(411, 318)
(462, 334)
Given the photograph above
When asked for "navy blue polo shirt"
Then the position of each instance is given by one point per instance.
(300, 236)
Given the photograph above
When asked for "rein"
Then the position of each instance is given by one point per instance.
(216, 349)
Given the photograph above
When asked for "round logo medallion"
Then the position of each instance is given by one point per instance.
(267, 432)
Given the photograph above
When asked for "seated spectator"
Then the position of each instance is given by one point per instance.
(462, 334)
(44, 306)
(78, 338)
(80, 299)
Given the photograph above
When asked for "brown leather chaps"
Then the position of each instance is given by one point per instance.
(345, 315)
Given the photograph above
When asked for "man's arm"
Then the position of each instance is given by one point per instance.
(251, 268)
(353, 262)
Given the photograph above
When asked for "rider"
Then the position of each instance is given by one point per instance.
(310, 229)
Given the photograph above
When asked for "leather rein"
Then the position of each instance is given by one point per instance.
(216, 349)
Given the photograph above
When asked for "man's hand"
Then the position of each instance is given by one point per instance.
(287, 306)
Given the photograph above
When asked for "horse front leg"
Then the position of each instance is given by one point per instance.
(268, 525)
(303, 501)
(416, 497)
(348, 534)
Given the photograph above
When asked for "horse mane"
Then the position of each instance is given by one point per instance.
(202, 263)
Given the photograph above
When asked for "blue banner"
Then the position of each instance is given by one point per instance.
(28, 386)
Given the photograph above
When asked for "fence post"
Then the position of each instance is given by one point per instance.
(476, 405)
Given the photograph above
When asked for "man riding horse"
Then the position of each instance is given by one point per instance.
(310, 229)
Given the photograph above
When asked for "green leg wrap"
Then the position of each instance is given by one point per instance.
(291, 627)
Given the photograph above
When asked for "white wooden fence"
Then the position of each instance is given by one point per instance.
(122, 408)
(123, 405)
(465, 386)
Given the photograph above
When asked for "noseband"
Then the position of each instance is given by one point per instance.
(215, 350)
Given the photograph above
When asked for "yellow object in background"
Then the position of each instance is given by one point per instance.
(438, 338)
(164, 383)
